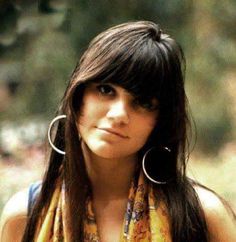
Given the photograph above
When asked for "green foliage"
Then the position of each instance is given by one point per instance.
(46, 45)
(88, 18)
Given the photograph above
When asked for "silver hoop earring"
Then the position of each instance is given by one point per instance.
(49, 134)
(166, 149)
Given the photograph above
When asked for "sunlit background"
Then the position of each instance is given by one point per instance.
(41, 41)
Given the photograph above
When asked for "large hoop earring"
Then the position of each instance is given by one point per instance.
(164, 149)
(49, 134)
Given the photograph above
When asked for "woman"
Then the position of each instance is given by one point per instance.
(117, 167)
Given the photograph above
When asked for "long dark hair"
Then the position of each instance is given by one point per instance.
(149, 64)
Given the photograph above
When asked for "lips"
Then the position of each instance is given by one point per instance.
(112, 131)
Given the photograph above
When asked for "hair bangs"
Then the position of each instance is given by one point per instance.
(139, 70)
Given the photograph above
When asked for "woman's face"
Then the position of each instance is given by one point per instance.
(114, 124)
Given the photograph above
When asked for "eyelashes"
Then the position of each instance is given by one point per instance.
(149, 105)
(108, 91)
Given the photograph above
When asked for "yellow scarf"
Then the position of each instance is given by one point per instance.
(145, 219)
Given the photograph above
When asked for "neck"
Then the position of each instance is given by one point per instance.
(110, 178)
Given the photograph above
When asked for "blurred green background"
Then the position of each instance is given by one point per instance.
(41, 41)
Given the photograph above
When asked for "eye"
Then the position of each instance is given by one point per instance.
(106, 90)
(149, 105)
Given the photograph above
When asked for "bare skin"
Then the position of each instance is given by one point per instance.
(111, 182)
(220, 224)
(14, 216)
(112, 133)
(110, 161)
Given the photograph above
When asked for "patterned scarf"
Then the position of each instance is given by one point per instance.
(145, 219)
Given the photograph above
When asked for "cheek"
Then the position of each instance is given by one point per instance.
(149, 125)
(143, 130)
(149, 122)
(85, 111)
(149, 128)
(89, 114)
(82, 117)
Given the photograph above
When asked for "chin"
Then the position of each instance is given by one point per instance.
(107, 155)
(108, 151)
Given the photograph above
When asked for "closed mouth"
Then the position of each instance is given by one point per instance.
(114, 132)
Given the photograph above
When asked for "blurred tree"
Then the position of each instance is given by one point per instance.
(44, 55)
(45, 38)
(212, 55)
(88, 18)
(45, 7)
(8, 15)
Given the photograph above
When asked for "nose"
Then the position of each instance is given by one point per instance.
(118, 112)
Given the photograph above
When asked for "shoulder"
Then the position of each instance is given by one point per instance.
(14, 217)
(220, 221)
